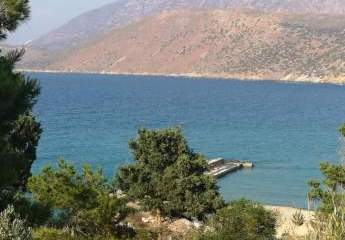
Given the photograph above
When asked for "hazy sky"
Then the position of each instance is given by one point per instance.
(49, 14)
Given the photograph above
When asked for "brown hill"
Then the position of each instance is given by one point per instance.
(227, 43)
(122, 12)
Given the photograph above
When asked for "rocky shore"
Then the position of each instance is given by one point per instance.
(339, 80)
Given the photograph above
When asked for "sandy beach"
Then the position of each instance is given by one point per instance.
(285, 224)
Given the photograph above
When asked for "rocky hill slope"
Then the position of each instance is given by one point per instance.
(122, 12)
(222, 43)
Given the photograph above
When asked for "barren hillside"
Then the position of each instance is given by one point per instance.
(122, 12)
(227, 43)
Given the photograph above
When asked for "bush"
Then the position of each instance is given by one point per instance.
(45, 233)
(83, 203)
(242, 220)
(142, 234)
(12, 227)
(50, 234)
(298, 218)
(35, 213)
(330, 199)
(342, 129)
(329, 195)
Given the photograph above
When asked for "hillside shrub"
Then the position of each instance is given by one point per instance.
(83, 203)
(243, 220)
(329, 197)
(45, 233)
(298, 218)
(12, 227)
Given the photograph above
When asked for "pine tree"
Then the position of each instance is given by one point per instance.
(19, 130)
(168, 176)
(12, 13)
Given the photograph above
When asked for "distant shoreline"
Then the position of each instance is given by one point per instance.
(244, 77)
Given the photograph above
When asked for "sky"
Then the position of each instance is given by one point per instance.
(47, 15)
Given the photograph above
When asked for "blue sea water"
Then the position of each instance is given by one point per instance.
(286, 129)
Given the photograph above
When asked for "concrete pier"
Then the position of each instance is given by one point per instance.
(220, 167)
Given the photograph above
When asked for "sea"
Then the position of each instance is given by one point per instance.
(285, 129)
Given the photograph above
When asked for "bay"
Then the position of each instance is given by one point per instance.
(286, 129)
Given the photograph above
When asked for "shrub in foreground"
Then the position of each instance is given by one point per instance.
(50, 234)
(45, 233)
(83, 203)
(12, 227)
(298, 218)
(242, 220)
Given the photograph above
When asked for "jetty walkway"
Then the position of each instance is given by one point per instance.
(220, 167)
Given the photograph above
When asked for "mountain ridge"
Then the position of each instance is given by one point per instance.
(89, 25)
(232, 43)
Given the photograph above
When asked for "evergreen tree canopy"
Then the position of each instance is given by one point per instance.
(168, 176)
(12, 13)
(82, 202)
(19, 130)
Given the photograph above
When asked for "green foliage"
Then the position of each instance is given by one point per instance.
(342, 130)
(18, 151)
(35, 213)
(83, 203)
(45, 233)
(12, 12)
(330, 199)
(298, 218)
(51, 234)
(168, 175)
(142, 234)
(12, 227)
(19, 130)
(243, 220)
(330, 194)
(64, 188)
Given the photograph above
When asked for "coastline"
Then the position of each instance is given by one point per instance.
(245, 77)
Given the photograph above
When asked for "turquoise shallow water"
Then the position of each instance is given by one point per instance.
(286, 129)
